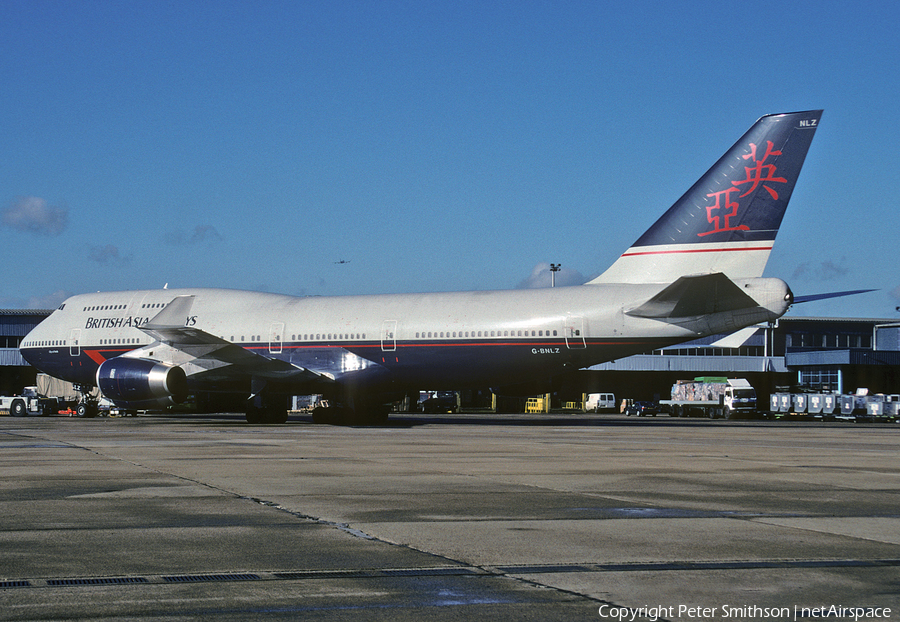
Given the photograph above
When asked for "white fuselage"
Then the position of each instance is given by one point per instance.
(456, 339)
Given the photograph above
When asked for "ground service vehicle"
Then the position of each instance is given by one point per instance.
(52, 396)
(600, 402)
(711, 397)
(641, 409)
(860, 406)
(442, 402)
(30, 403)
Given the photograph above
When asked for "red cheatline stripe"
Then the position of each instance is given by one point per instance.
(95, 356)
(700, 250)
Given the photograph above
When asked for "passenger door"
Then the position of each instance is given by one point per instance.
(575, 333)
(75, 342)
(276, 337)
(389, 336)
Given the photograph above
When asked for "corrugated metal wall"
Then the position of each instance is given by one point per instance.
(10, 357)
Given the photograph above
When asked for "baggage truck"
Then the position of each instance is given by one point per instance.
(711, 397)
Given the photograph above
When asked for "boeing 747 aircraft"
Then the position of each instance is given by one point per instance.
(697, 271)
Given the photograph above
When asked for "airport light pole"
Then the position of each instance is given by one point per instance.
(554, 268)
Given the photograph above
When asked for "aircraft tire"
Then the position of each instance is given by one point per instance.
(276, 415)
(18, 409)
(268, 413)
(86, 411)
(254, 416)
(320, 415)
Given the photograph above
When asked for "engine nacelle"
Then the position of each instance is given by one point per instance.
(140, 383)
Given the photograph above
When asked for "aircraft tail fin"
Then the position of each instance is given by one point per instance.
(728, 220)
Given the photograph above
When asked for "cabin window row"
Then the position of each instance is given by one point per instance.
(312, 337)
(328, 336)
(65, 342)
(159, 305)
(42, 344)
(485, 333)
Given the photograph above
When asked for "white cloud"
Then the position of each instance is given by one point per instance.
(823, 271)
(108, 255)
(201, 234)
(34, 215)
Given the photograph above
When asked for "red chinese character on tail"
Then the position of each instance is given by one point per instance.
(760, 171)
(725, 207)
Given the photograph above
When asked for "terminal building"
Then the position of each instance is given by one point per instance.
(15, 373)
(823, 355)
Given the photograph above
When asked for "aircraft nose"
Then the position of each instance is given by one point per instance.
(25, 347)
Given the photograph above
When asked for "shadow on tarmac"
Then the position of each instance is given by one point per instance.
(487, 418)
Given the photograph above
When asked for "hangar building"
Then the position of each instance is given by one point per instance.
(15, 373)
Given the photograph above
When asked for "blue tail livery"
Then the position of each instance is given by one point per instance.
(728, 220)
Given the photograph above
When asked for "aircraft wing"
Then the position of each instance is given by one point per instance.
(201, 352)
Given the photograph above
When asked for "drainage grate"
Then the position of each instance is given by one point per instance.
(429, 572)
(375, 573)
(97, 581)
(543, 569)
(326, 574)
(197, 578)
(709, 565)
(371, 574)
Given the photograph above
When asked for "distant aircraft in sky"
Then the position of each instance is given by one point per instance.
(696, 272)
(344, 261)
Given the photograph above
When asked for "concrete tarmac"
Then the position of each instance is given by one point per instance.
(457, 517)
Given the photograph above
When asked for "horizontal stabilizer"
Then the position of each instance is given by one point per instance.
(736, 339)
(693, 296)
(812, 297)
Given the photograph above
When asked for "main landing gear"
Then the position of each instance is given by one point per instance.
(267, 409)
(273, 408)
(88, 405)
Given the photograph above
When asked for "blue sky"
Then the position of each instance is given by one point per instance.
(430, 146)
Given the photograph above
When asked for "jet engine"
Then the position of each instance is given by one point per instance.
(140, 383)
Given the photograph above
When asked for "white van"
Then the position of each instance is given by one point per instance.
(600, 402)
